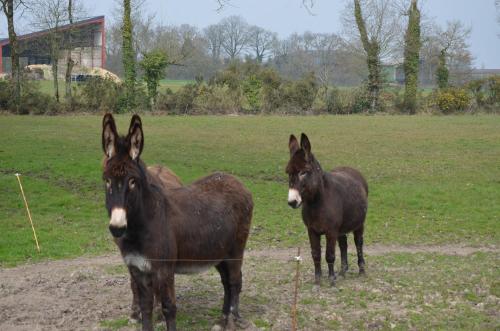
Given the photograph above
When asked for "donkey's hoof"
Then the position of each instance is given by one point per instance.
(230, 324)
(217, 327)
(242, 323)
(159, 315)
(343, 271)
(332, 280)
(135, 316)
(317, 280)
(133, 320)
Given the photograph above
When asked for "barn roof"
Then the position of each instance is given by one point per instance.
(33, 35)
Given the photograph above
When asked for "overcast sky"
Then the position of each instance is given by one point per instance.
(288, 16)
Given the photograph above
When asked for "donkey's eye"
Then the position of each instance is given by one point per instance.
(303, 174)
(131, 183)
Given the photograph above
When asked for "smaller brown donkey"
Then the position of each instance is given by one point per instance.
(334, 204)
(161, 232)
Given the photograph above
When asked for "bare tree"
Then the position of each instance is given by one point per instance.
(9, 7)
(261, 41)
(497, 6)
(235, 35)
(74, 6)
(325, 47)
(51, 15)
(214, 34)
(69, 60)
(454, 53)
(377, 24)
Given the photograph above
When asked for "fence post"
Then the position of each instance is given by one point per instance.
(295, 295)
(28, 210)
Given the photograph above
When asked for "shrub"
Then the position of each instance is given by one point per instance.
(5, 94)
(349, 101)
(493, 86)
(271, 92)
(251, 87)
(476, 88)
(300, 94)
(305, 91)
(165, 101)
(35, 102)
(102, 94)
(215, 99)
(452, 99)
(184, 98)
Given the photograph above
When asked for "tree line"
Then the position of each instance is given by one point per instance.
(377, 34)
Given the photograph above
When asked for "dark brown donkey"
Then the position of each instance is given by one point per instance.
(169, 180)
(167, 231)
(334, 204)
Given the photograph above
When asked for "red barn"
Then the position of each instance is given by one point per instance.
(86, 40)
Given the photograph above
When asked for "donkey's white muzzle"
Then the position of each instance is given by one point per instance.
(118, 218)
(294, 199)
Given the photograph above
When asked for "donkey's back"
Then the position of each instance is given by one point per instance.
(352, 190)
(354, 175)
(217, 211)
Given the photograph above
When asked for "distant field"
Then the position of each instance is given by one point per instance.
(173, 84)
(47, 86)
(433, 180)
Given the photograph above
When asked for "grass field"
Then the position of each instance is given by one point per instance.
(433, 181)
(47, 86)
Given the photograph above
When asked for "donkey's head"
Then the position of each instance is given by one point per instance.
(304, 172)
(124, 173)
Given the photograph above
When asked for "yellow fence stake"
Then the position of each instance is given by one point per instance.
(18, 176)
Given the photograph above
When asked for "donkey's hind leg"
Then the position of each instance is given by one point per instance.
(358, 240)
(224, 276)
(235, 283)
(343, 254)
(166, 286)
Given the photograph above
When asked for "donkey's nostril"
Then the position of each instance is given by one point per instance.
(117, 232)
(292, 203)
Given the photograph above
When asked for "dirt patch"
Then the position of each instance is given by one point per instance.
(378, 249)
(80, 294)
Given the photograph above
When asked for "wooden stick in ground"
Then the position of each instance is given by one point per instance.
(18, 176)
(294, 304)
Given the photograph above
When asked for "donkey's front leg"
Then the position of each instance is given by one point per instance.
(315, 241)
(166, 285)
(145, 290)
(330, 256)
(135, 316)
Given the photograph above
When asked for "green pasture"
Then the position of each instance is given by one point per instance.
(433, 180)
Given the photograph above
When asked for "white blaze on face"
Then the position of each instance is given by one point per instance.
(118, 218)
(294, 195)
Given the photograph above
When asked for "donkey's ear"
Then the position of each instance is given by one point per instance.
(109, 135)
(305, 144)
(135, 137)
(293, 145)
